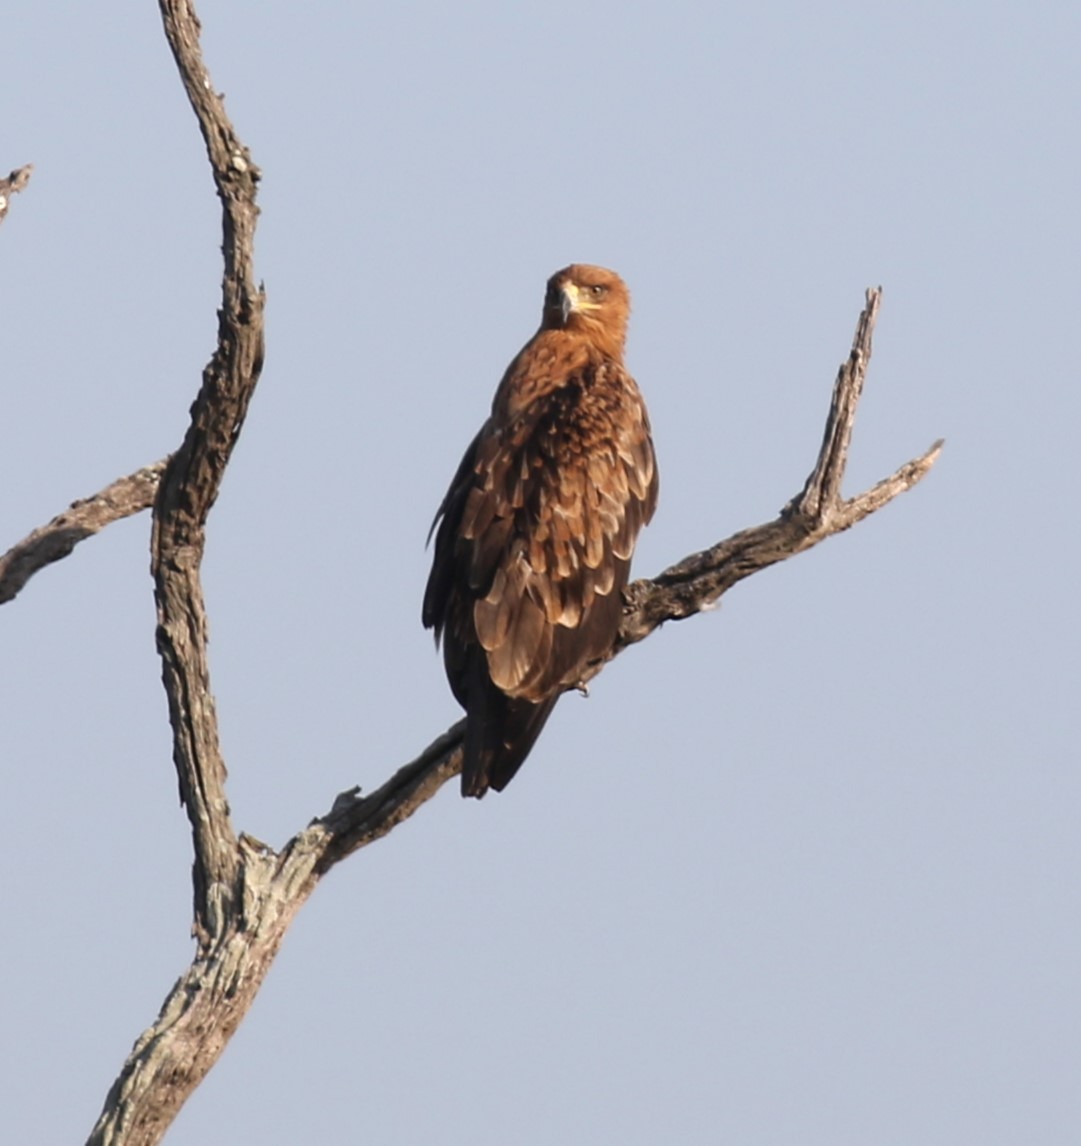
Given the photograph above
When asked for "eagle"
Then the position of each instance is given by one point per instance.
(533, 540)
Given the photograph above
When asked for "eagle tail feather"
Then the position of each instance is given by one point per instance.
(499, 735)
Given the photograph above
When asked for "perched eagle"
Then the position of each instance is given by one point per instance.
(534, 538)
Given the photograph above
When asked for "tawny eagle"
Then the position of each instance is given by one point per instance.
(533, 540)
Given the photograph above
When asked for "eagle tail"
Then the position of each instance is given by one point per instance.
(499, 733)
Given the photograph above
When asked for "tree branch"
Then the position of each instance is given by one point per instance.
(82, 519)
(240, 913)
(697, 582)
(190, 486)
(12, 185)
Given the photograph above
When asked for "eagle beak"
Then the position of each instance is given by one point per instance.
(568, 293)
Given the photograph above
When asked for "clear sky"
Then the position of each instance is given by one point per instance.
(801, 872)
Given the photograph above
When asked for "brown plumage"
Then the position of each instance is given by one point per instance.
(534, 538)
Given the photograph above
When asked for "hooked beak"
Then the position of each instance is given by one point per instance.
(568, 300)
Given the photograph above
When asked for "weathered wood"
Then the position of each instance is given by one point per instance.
(240, 913)
(82, 519)
(189, 488)
(12, 185)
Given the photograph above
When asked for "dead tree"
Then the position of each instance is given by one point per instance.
(246, 894)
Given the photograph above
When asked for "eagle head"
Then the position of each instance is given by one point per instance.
(590, 301)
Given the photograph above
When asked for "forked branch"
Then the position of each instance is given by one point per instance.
(817, 512)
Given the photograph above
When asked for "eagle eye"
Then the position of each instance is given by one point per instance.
(598, 290)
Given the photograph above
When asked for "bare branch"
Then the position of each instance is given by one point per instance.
(205, 1006)
(82, 519)
(823, 488)
(818, 512)
(207, 1003)
(190, 486)
(12, 185)
(354, 822)
(240, 914)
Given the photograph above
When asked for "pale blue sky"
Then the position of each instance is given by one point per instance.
(803, 872)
